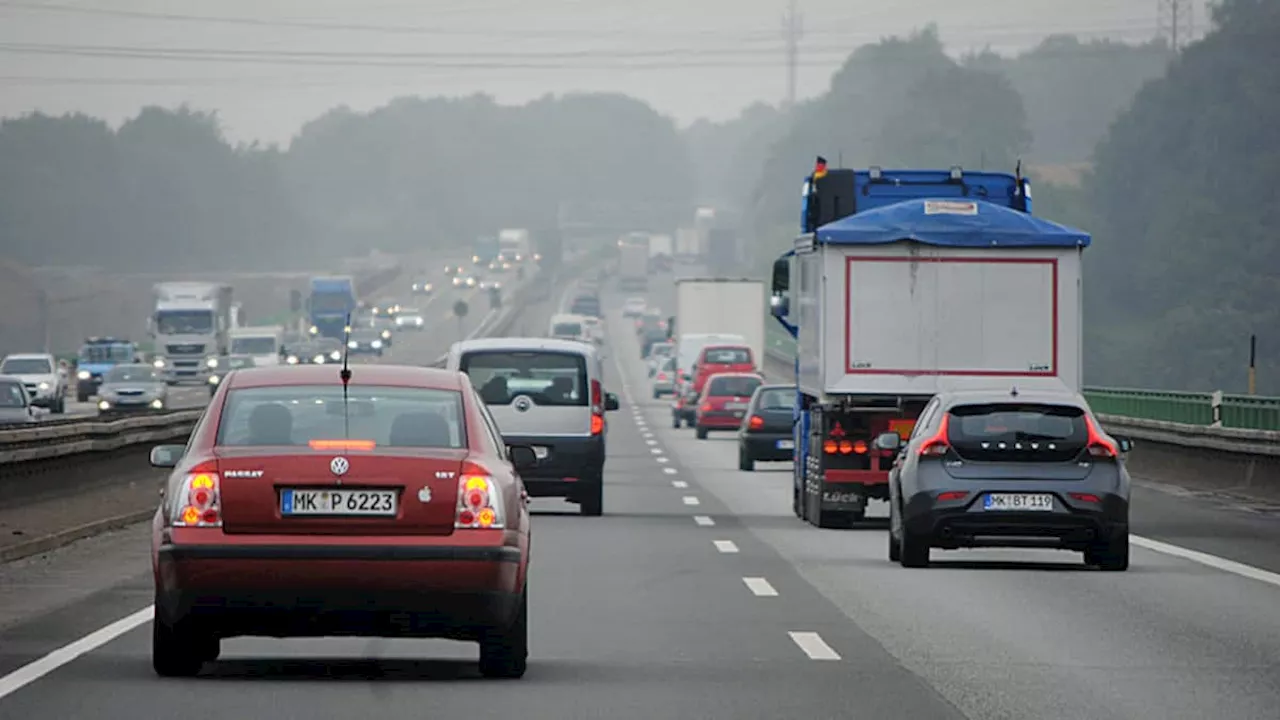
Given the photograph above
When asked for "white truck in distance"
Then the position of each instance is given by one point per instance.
(514, 245)
(262, 342)
(633, 266)
(687, 247)
(721, 306)
(190, 324)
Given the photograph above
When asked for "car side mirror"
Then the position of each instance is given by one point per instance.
(1126, 444)
(888, 441)
(167, 456)
(610, 402)
(522, 457)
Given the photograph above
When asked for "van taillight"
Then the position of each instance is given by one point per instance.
(198, 502)
(479, 501)
(937, 446)
(1099, 445)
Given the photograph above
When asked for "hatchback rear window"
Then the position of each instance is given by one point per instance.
(1018, 432)
(733, 386)
(776, 399)
(548, 378)
(303, 414)
(567, 329)
(726, 356)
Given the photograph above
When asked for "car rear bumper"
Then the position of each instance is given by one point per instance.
(764, 446)
(365, 590)
(573, 456)
(718, 421)
(1072, 524)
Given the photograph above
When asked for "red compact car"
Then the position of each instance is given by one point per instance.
(724, 401)
(298, 509)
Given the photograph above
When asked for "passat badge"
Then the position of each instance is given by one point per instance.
(424, 495)
(339, 466)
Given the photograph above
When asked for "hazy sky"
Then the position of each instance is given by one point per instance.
(267, 66)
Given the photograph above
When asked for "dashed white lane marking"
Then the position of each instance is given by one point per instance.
(726, 546)
(704, 520)
(31, 672)
(650, 442)
(813, 645)
(656, 451)
(647, 435)
(679, 484)
(1212, 561)
(663, 459)
(691, 500)
(760, 587)
(670, 471)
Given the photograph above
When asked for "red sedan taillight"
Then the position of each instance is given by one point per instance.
(479, 501)
(197, 503)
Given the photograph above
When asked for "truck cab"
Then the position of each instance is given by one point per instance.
(190, 325)
(96, 357)
(903, 284)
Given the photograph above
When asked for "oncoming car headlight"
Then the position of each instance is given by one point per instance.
(83, 375)
(376, 344)
(319, 359)
(335, 355)
(292, 360)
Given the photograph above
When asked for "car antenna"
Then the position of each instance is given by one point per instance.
(345, 375)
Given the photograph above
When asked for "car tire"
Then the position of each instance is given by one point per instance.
(592, 504)
(895, 548)
(745, 461)
(701, 433)
(505, 653)
(656, 395)
(913, 550)
(60, 406)
(82, 397)
(1111, 557)
(675, 421)
(178, 650)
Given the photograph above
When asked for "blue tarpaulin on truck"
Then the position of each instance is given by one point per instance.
(950, 222)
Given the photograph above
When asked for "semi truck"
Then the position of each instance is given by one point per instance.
(633, 265)
(331, 302)
(687, 247)
(515, 245)
(722, 251)
(661, 253)
(189, 324)
(713, 310)
(903, 284)
(484, 250)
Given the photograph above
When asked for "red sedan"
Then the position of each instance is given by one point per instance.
(724, 401)
(300, 508)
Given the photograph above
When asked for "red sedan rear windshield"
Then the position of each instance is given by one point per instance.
(299, 415)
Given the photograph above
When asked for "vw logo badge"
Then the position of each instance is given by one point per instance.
(523, 404)
(339, 466)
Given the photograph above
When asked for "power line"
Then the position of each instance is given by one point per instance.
(792, 31)
(1175, 22)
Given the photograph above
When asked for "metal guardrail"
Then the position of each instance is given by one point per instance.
(1179, 418)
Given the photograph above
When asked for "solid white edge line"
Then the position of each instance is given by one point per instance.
(33, 671)
(704, 520)
(691, 500)
(760, 587)
(1213, 561)
(726, 546)
(813, 645)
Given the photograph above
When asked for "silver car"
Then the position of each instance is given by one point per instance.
(664, 378)
(15, 404)
(132, 388)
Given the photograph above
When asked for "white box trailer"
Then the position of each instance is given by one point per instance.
(911, 320)
(722, 306)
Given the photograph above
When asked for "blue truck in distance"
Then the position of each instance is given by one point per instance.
(331, 301)
(96, 357)
(903, 284)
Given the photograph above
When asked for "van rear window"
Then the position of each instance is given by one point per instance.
(567, 329)
(1016, 432)
(546, 377)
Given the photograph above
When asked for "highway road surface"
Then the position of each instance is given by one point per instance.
(698, 595)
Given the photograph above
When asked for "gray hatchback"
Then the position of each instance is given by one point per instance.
(1009, 469)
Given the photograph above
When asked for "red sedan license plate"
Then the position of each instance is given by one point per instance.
(338, 502)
